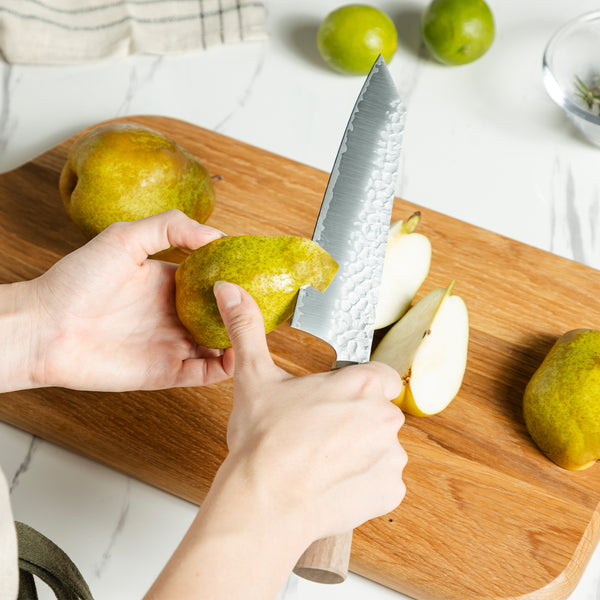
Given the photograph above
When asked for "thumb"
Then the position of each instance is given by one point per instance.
(246, 328)
(145, 237)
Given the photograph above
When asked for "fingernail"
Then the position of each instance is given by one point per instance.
(209, 230)
(229, 294)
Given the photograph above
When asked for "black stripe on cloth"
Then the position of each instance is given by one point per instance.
(106, 5)
(145, 21)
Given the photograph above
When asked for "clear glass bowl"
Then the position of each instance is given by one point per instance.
(574, 51)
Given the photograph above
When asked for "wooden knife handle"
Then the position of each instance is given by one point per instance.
(326, 560)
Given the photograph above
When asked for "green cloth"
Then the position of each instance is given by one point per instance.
(43, 558)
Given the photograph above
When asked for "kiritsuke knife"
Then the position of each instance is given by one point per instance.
(353, 226)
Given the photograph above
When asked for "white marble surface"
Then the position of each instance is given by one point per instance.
(483, 143)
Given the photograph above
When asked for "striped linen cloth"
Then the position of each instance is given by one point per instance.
(81, 31)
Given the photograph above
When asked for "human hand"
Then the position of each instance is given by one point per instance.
(104, 315)
(322, 448)
(309, 457)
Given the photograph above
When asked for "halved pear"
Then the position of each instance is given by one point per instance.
(407, 260)
(428, 347)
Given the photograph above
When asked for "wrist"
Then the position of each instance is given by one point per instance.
(18, 337)
(240, 535)
(244, 500)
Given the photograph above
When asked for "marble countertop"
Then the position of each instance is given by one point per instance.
(484, 143)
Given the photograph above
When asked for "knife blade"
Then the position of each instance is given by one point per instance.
(354, 220)
(353, 226)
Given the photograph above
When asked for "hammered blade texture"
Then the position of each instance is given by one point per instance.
(354, 221)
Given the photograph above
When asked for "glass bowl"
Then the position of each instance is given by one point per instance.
(572, 58)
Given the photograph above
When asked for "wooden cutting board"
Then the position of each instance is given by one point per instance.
(486, 516)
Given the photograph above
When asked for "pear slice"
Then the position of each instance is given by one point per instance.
(428, 347)
(407, 261)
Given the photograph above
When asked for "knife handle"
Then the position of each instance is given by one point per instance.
(326, 560)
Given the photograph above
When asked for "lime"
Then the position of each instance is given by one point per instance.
(457, 32)
(352, 37)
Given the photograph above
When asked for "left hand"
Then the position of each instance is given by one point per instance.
(105, 314)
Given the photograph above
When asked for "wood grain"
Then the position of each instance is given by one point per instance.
(486, 516)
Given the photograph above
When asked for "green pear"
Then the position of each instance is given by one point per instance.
(271, 269)
(124, 172)
(428, 348)
(561, 403)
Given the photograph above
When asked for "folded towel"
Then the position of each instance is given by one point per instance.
(80, 31)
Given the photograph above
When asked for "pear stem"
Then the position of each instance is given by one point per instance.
(412, 222)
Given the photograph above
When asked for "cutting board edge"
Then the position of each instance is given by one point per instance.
(558, 588)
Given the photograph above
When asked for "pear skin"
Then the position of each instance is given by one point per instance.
(124, 172)
(408, 403)
(561, 403)
(270, 268)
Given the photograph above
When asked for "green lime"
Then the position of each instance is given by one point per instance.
(457, 32)
(352, 37)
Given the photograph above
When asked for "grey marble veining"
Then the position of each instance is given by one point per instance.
(116, 532)
(140, 76)
(574, 216)
(245, 93)
(25, 464)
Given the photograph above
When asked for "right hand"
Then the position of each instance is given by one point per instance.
(309, 457)
(323, 449)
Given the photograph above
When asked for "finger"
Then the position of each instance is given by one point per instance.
(245, 327)
(392, 487)
(391, 382)
(196, 372)
(148, 236)
(371, 379)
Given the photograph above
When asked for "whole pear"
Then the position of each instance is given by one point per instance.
(270, 268)
(561, 404)
(124, 172)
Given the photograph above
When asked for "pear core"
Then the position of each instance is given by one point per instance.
(270, 268)
(124, 172)
(428, 347)
(561, 403)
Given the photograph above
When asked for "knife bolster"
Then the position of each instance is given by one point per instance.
(338, 364)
